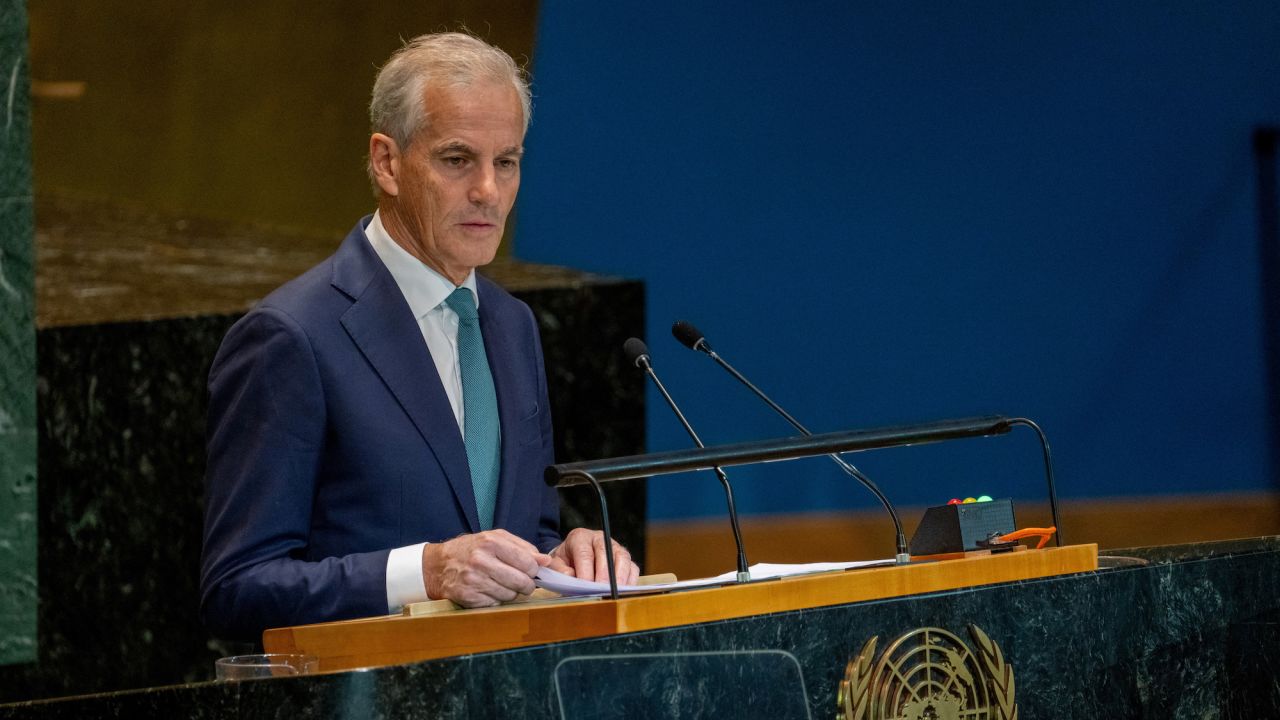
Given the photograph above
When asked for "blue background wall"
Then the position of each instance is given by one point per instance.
(891, 212)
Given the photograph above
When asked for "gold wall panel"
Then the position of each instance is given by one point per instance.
(237, 110)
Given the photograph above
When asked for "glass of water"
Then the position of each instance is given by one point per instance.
(245, 667)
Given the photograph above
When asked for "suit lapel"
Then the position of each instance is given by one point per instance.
(382, 326)
(506, 383)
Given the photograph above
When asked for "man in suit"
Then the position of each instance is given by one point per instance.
(378, 426)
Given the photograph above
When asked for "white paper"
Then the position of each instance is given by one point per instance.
(567, 585)
(764, 571)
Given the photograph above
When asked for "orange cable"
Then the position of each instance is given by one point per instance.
(1043, 533)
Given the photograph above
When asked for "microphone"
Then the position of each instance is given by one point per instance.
(638, 354)
(692, 338)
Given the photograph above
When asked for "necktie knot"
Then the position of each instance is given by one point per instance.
(462, 303)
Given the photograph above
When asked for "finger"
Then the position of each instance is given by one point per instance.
(623, 566)
(622, 559)
(558, 553)
(554, 563)
(484, 592)
(470, 597)
(522, 557)
(581, 556)
(472, 587)
(476, 598)
(601, 557)
(508, 578)
(502, 538)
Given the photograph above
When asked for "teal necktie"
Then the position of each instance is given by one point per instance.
(481, 428)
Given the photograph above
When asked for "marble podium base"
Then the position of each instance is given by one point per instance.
(1162, 633)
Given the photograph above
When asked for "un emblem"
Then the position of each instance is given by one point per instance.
(928, 674)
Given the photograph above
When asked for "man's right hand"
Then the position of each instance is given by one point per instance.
(481, 570)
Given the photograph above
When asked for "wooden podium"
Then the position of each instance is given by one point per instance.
(396, 639)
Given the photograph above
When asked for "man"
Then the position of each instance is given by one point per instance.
(378, 426)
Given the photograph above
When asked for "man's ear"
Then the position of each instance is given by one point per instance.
(384, 159)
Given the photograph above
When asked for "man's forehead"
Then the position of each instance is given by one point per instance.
(492, 93)
(452, 112)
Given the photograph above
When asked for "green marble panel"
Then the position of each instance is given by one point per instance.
(17, 347)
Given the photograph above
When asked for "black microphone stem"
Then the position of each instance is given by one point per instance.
(743, 573)
(1048, 473)
(903, 555)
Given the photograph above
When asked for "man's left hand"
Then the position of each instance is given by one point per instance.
(582, 556)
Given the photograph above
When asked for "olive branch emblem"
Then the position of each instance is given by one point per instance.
(854, 695)
(999, 673)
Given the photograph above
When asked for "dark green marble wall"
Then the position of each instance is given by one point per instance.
(17, 347)
(124, 342)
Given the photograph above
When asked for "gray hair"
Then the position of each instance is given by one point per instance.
(454, 58)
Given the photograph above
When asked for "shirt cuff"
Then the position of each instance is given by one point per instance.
(405, 583)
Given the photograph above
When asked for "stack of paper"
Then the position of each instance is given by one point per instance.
(567, 585)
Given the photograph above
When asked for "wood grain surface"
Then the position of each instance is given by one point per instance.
(394, 639)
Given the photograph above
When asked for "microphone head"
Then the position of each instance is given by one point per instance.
(690, 336)
(637, 352)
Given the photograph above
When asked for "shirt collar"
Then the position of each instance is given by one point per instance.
(422, 287)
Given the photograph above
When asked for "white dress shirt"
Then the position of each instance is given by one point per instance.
(426, 291)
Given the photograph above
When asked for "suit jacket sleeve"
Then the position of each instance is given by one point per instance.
(549, 527)
(267, 428)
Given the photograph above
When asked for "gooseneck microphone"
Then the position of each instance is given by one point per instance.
(690, 337)
(638, 354)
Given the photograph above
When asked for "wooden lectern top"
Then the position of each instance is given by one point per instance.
(396, 639)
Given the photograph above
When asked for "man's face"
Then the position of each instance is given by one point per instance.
(457, 181)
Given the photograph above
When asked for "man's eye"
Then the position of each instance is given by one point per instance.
(455, 161)
(508, 164)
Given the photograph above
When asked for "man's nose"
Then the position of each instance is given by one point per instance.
(484, 190)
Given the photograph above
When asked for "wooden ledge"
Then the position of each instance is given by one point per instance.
(395, 639)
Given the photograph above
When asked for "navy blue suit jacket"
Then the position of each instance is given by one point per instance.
(331, 441)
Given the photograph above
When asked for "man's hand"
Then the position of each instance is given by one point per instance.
(481, 570)
(582, 555)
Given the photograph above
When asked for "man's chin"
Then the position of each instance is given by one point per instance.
(483, 257)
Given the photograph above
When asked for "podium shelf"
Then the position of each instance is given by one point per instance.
(396, 639)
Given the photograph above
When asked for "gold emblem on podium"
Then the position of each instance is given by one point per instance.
(928, 674)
